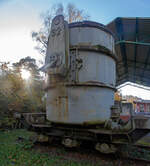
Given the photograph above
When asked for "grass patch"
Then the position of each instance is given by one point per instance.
(21, 152)
(15, 153)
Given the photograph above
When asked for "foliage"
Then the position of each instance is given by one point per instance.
(70, 13)
(17, 94)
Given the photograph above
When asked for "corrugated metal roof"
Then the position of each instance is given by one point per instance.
(132, 36)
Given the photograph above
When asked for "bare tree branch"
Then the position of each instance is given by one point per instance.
(70, 13)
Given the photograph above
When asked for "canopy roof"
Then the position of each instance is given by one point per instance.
(132, 36)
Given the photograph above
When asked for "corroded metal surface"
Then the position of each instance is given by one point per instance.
(142, 121)
(81, 71)
(56, 61)
(34, 118)
(81, 79)
(74, 104)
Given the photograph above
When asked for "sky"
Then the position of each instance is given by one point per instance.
(18, 18)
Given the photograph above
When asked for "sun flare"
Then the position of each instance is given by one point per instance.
(25, 74)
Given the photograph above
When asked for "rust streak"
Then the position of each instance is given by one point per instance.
(66, 109)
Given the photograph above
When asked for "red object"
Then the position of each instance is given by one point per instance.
(125, 117)
(142, 107)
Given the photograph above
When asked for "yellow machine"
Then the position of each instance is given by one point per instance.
(118, 96)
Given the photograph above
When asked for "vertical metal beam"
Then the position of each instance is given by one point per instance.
(135, 47)
(120, 34)
(145, 64)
